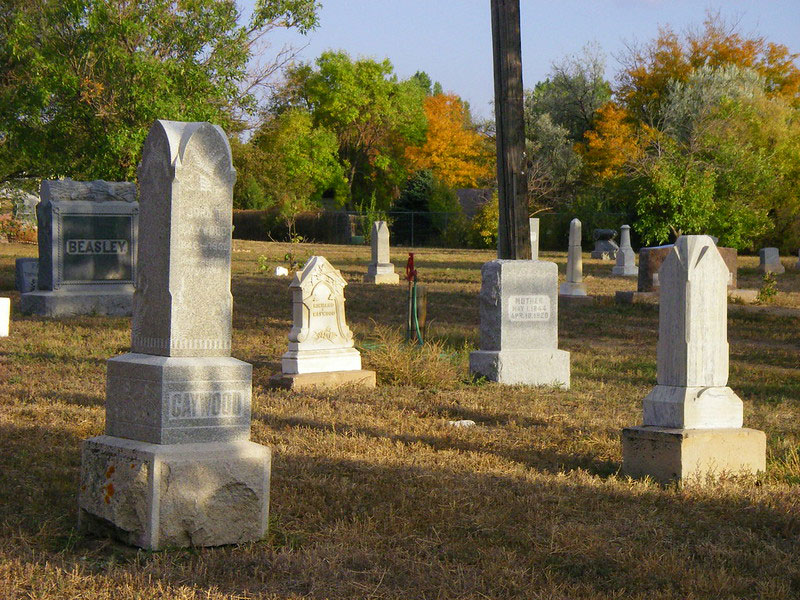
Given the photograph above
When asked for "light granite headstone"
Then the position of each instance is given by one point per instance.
(626, 257)
(178, 405)
(380, 270)
(769, 261)
(26, 274)
(519, 325)
(87, 249)
(574, 286)
(5, 316)
(534, 227)
(605, 248)
(692, 392)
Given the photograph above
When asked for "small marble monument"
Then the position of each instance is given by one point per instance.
(626, 257)
(519, 325)
(321, 351)
(605, 248)
(380, 270)
(534, 226)
(692, 422)
(5, 316)
(27, 272)
(87, 249)
(573, 286)
(176, 467)
(769, 261)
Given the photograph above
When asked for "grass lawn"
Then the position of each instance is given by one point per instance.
(374, 495)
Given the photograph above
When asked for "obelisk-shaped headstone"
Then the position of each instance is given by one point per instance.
(380, 270)
(573, 286)
(692, 420)
(626, 257)
(176, 461)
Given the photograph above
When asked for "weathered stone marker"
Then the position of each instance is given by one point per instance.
(519, 325)
(87, 249)
(175, 467)
(692, 422)
(573, 286)
(5, 316)
(626, 257)
(534, 226)
(26, 274)
(380, 270)
(769, 261)
(321, 351)
(605, 248)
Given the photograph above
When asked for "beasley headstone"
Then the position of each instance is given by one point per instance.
(380, 270)
(574, 286)
(87, 249)
(519, 325)
(605, 248)
(176, 467)
(692, 423)
(26, 274)
(769, 261)
(5, 316)
(626, 257)
(534, 226)
(321, 348)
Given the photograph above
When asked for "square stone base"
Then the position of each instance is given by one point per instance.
(297, 381)
(382, 278)
(319, 361)
(526, 367)
(571, 289)
(679, 454)
(158, 496)
(63, 303)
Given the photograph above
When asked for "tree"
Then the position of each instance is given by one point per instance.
(453, 151)
(553, 165)
(610, 145)
(82, 81)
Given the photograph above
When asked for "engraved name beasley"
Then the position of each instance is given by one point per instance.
(97, 246)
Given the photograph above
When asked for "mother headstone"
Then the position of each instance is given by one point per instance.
(176, 467)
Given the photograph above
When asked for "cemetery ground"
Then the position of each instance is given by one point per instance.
(374, 495)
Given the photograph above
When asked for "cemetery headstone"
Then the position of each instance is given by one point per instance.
(175, 466)
(25, 208)
(769, 261)
(321, 348)
(534, 226)
(87, 249)
(27, 272)
(574, 286)
(651, 259)
(380, 270)
(692, 423)
(519, 325)
(626, 257)
(5, 316)
(605, 248)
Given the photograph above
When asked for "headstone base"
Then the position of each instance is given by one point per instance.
(330, 379)
(693, 407)
(681, 454)
(571, 289)
(625, 271)
(743, 296)
(61, 303)
(320, 361)
(527, 367)
(382, 278)
(575, 300)
(159, 496)
(776, 268)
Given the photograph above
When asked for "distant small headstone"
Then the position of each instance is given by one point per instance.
(692, 420)
(5, 316)
(281, 272)
(534, 226)
(574, 286)
(380, 270)
(25, 208)
(769, 261)
(626, 257)
(321, 348)
(26, 274)
(605, 248)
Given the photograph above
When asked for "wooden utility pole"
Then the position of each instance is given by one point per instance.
(513, 236)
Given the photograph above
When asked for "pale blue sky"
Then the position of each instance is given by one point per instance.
(451, 39)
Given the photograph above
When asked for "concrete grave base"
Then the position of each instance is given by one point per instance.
(159, 496)
(62, 303)
(526, 367)
(329, 379)
(746, 296)
(680, 454)
(382, 278)
(775, 268)
(571, 289)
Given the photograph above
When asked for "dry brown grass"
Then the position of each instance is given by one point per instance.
(375, 496)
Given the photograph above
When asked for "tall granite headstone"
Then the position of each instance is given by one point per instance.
(321, 348)
(626, 257)
(605, 248)
(692, 423)
(769, 261)
(380, 270)
(176, 467)
(87, 249)
(519, 325)
(574, 286)
(534, 227)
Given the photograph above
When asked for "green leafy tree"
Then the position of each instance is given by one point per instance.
(82, 81)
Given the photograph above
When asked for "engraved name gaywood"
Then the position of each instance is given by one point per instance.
(97, 246)
(529, 308)
(198, 405)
